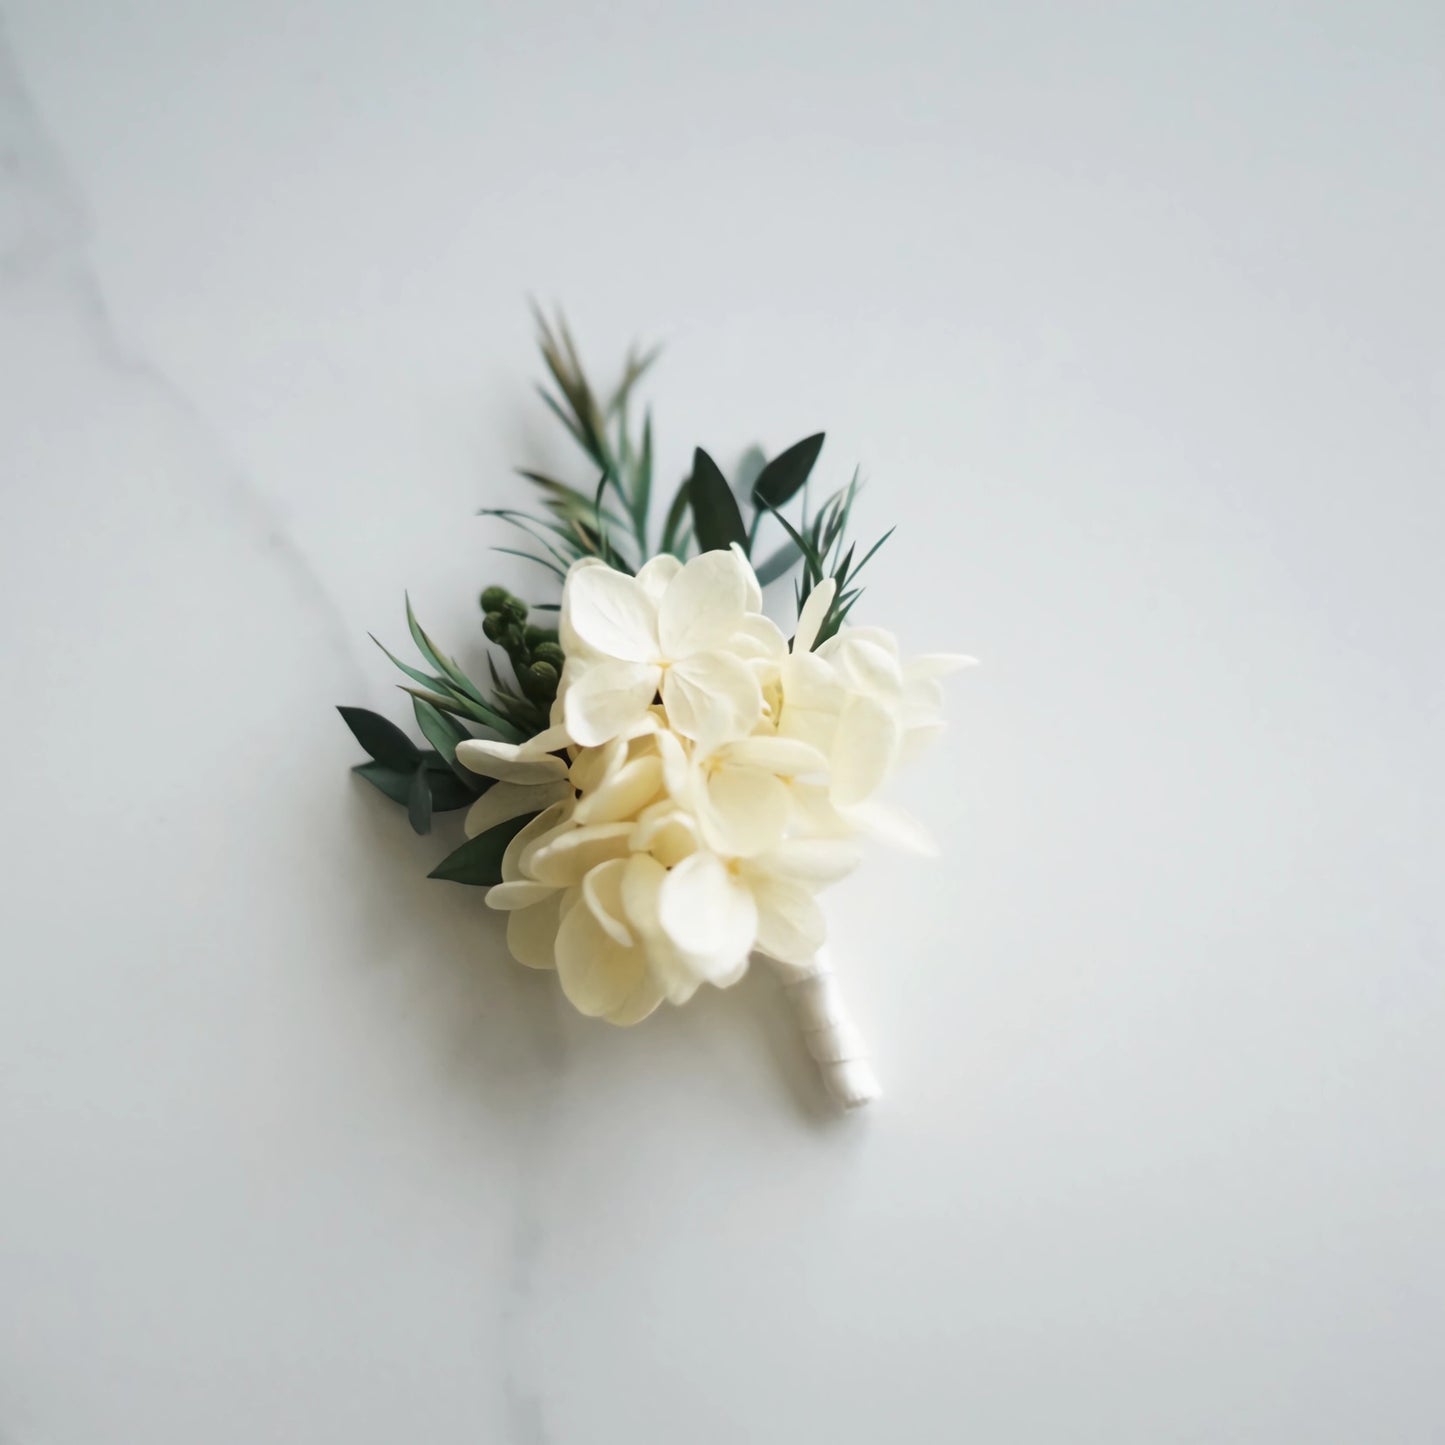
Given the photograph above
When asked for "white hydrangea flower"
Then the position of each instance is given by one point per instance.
(702, 782)
(667, 632)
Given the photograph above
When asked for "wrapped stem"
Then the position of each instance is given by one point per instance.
(835, 1044)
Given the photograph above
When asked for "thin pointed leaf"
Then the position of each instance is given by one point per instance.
(552, 567)
(810, 553)
(437, 684)
(715, 514)
(642, 483)
(383, 740)
(443, 733)
(868, 555)
(482, 713)
(460, 682)
(781, 478)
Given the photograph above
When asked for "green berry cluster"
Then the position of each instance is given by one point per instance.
(535, 652)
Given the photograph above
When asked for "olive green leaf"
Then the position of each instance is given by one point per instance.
(418, 801)
(478, 861)
(715, 514)
(382, 740)
(783, 477)
(448, 792)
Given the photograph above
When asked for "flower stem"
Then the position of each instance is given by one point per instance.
(833, 1041)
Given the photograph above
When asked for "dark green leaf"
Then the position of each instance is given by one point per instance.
(715, 514)
(382, 740)
(391, 781)
(479, 860)
(443, 733)
(782, 478)
(447, 791)
(418, 801)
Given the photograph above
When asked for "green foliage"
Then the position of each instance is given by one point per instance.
(421, 780)
(478, 861)
(610, 519)
(716, 518)
(783, 478)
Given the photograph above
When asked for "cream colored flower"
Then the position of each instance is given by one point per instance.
(667, 632)
(701, 783)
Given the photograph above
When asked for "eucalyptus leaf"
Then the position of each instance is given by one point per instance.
(478, 861)
(715, 514)
(783, 477)
(382, 740)
(448, 792)
(418, 801)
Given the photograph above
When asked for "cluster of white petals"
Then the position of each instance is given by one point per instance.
(701, 782)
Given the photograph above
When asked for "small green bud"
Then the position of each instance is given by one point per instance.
(514, 608)
(539, 681)
(494, 625)
(551, 653)
(535, 636)
(495, 598)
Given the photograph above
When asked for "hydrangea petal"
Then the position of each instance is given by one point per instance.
(758, 639)
(600, 977)
(612, 614)
(753, 598)
(607, 698)
(519, 893)
(788, 757)
(815, 862)
(893, 826)
(813, 614)
(541, 827)
(532, 932)
(746, 812)
(791, 927)
(655, 574)
(864, 750)
(624, 794)
(669, 833)
(702, 606)
(602, 893)
(712, 698)
(566, 858)
(504, 761)
(708, 914)
(504, 801)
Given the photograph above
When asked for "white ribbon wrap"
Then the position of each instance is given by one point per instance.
(834, 1042)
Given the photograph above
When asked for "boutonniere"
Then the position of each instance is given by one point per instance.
(659, 780)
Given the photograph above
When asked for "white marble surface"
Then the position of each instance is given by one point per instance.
(1134, 317)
